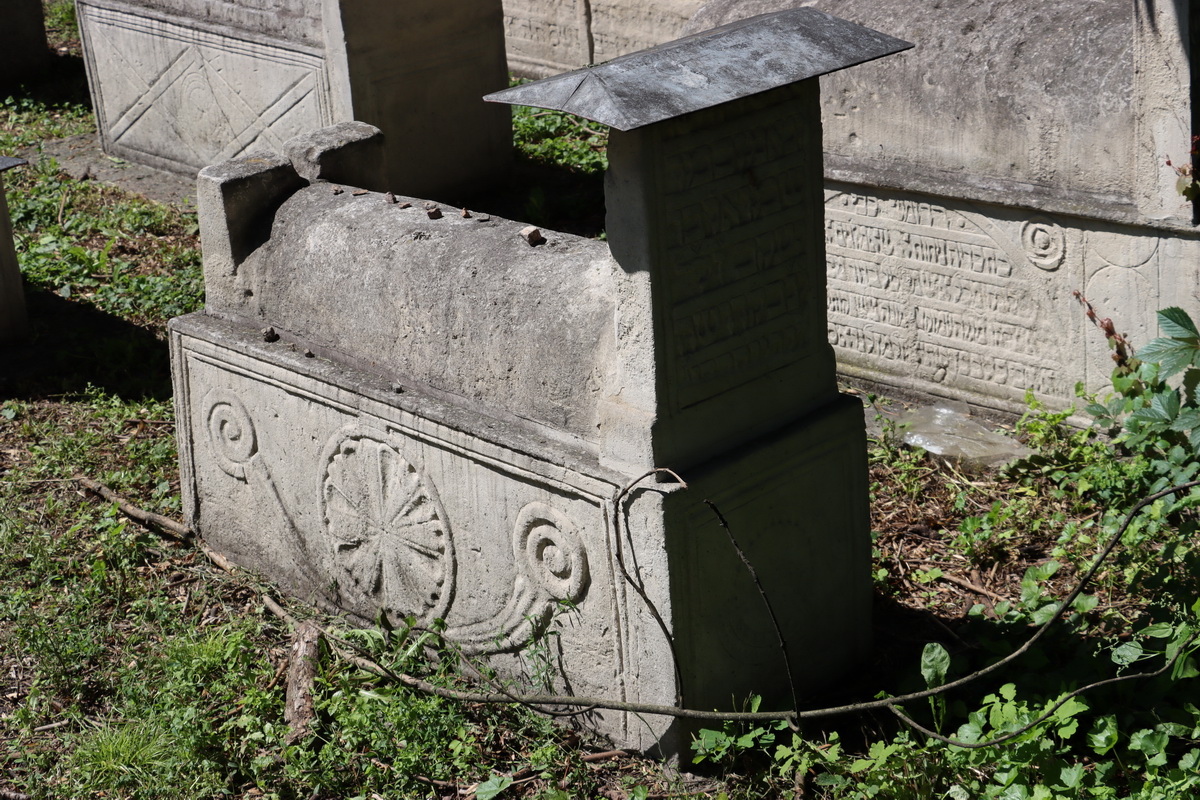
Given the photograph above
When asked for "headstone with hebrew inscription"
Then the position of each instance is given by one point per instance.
(404, 410)
(1018, 154)
(181, 84)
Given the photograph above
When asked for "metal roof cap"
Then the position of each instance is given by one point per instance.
(706, 69)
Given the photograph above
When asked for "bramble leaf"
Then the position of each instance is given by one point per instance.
(1177, 323)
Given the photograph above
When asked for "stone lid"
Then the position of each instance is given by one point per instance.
(707, 69)
(7, 162)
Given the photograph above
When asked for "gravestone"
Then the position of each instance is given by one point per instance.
(545, 37)
(973, 184)
(13, 322)
(24, 53)
(181, 84)
(399, 409)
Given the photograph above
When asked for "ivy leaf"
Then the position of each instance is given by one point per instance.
(969, 732)
(1152, 744)
(1176, 323)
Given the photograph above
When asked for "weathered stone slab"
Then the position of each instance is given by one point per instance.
(24, 54)
(1016, 155)
(620, 27)
(13, 321)
(180, 84)
(546, 37)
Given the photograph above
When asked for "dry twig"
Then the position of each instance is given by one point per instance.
(299, 710)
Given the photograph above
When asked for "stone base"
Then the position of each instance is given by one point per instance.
(373, 501)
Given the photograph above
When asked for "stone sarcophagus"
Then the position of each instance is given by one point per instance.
(1017, 155)
(181, 84)
(405, 410)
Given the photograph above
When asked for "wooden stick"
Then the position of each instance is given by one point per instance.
(178, 530)
(299, 710)
(966, 584)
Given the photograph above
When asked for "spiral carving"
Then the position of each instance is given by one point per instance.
(230, 432)
(550, 552)
(1045, 243)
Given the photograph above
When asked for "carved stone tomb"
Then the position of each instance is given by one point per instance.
(401, 409)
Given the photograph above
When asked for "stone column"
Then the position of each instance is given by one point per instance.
(716, 218)
(722, 209)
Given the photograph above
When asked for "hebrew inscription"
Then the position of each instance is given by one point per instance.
(922, 291)
(730, 251)
(544, 37)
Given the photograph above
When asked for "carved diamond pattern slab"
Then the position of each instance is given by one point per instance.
(188, 97)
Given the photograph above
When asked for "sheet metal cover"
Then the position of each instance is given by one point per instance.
(707, 69)
(7, 162)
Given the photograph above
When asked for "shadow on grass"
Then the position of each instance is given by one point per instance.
(551, 197)
(73, 345)
(63, 82)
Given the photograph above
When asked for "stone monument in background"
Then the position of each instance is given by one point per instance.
(398, 409)
(1017, 155)
(545, 37)
(181, 84)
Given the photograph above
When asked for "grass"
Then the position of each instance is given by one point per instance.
(132, 667)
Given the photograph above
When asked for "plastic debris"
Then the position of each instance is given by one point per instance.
(947, 430)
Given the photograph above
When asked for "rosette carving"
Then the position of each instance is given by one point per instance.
(391, 543)
(1045, 243)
